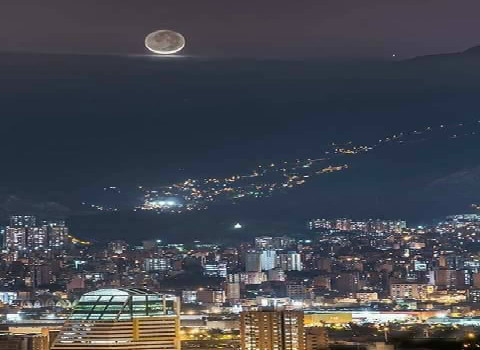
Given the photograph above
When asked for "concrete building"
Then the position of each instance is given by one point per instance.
(232, 291)
(291, 261)
(268, 260)
(272, 330)
(253, 261)
(24, 342)
(416, 291)
(208, 296)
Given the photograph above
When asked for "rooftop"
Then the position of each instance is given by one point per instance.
(123, 304)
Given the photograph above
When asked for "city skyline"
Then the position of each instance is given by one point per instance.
(371, 282)
(208, 175)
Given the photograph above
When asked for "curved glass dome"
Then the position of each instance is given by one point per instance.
(123, 304)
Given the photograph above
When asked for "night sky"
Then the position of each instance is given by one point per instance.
(280, 28)
(83, 106)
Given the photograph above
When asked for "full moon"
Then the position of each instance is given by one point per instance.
(165, 42)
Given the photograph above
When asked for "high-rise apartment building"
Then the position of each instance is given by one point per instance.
(24, 234)
(123, 318)
(37, 237)
(157, 264)
(268, 260)
(272, 330)
(15, 238)
(291, 261)
(253, 261)
(23, 221)
(57, 235)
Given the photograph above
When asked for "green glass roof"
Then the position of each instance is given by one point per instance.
(123, 304)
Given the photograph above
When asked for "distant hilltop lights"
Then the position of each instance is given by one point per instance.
(162, 204)
(266, 180)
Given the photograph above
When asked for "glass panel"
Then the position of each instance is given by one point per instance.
(120, 299)
(105, 298)
(89, 298)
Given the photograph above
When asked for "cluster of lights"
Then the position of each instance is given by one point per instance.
(261, 182)
(264, 180)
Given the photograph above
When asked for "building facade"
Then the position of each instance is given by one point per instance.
(123, 318)
(272, 330)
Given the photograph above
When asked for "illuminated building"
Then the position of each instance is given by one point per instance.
(417, 291)
(123, 318)
(282, 242)
(23, 221)
(189, 296)
(8, 297)
(389, 226)
(16, 238)
(291, 261)
(37, 237)
(255, 277)
(157, 264)
(343, 224)
(22, 234)
(268, 260)
(272, 330)
(215, 270)
(117, 247)
(247, 277)
(420, 265)
(57, 235)
(320, 224)
(365, 297)
(264, 242)
(378, 226)
(316, 319)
